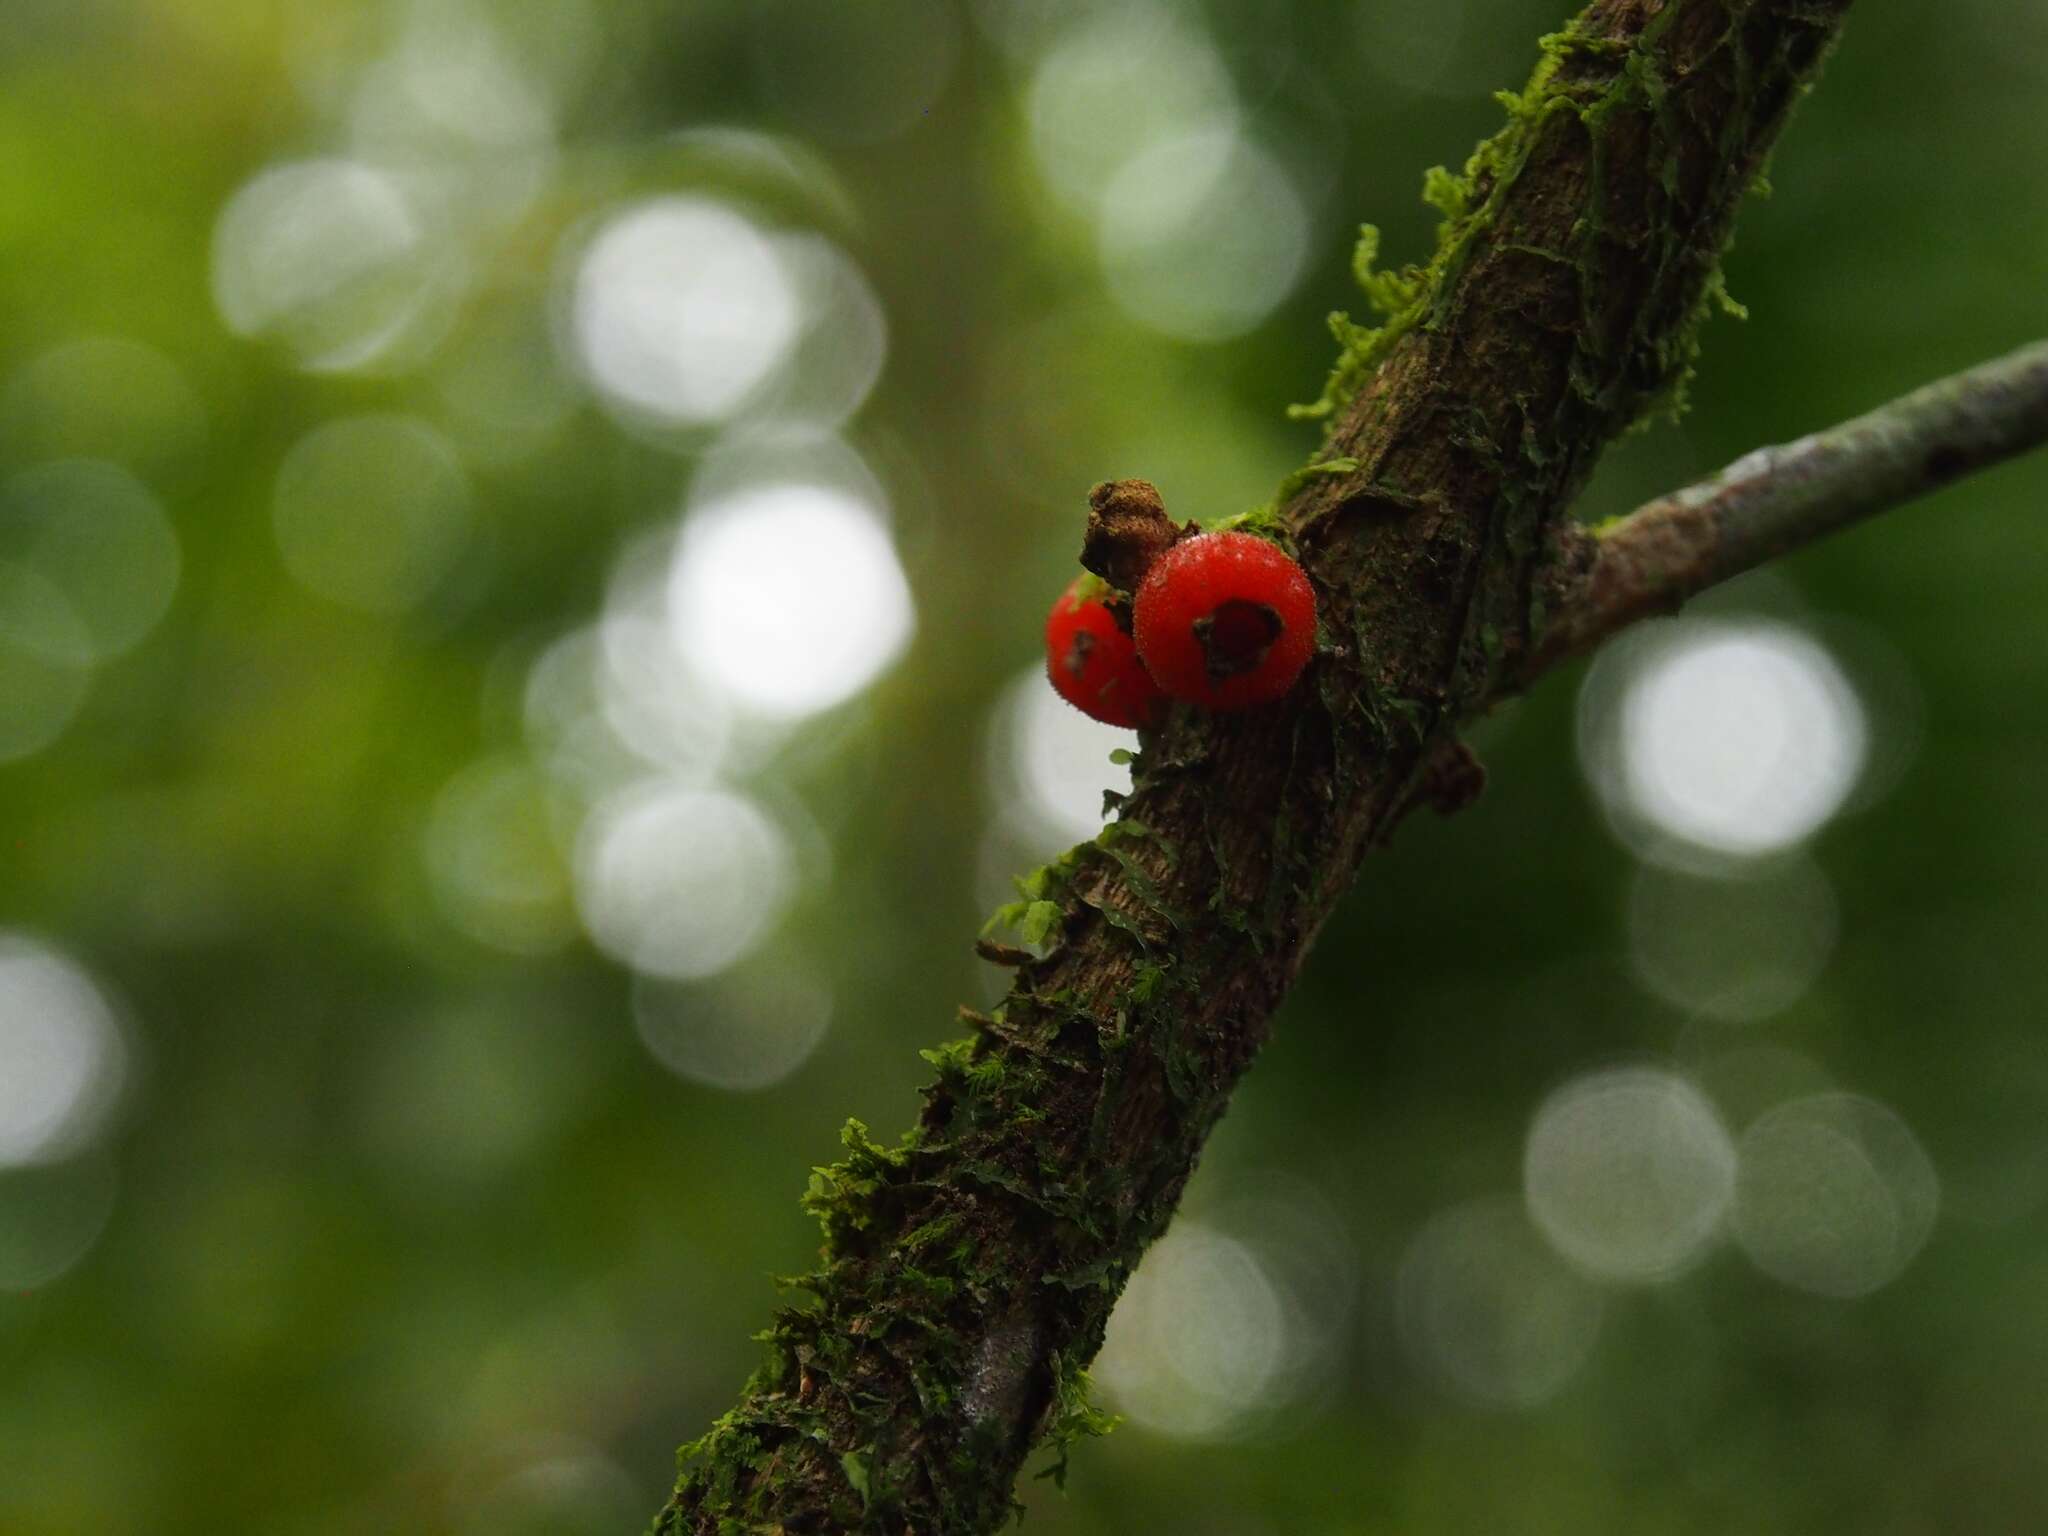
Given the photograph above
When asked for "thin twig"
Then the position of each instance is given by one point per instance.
(1777, 499)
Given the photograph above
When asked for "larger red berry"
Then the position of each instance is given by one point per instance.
(1226, 620)
(1092, 662)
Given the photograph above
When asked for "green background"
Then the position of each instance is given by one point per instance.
(379, 1214)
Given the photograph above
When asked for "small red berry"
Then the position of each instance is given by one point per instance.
(1092, 661)
(1225, 620)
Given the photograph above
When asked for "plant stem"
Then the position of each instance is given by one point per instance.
(1774, 500)
(969, 1270)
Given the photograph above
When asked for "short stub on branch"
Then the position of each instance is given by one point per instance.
(1127, 530)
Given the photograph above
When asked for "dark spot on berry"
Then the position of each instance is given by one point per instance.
(1079, 649)
(1945, 463)
(1236, 637)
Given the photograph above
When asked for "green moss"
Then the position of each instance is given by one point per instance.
(1041, 894)
(1402, 299)
(1469, 202)
(969, 1270)
(1089, 587)
(1072, 1417)
(1267, 520)
(932, 1233)
(1396, 297)
(841, 1194)
(855, 1466)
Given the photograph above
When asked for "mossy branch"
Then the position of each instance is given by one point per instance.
(969, 1269)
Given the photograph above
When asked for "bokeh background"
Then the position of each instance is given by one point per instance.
(523, 533)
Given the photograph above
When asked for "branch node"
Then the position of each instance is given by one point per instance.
(1127, 530)
(1452, 778)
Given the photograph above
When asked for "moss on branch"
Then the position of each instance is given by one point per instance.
(968, 1269)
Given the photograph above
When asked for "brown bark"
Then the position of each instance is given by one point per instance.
(1776, 499)
(968, 1272)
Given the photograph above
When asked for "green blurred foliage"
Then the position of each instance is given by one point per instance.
(406, 1229)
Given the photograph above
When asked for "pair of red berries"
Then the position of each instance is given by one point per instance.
(1224, 620)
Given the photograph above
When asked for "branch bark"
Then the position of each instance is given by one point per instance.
(968, 1271)
(1774, 500)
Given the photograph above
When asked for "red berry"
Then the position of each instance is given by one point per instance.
(1092, 662)
(1226, 620)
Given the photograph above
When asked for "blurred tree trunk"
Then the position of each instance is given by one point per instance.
(968, 1271)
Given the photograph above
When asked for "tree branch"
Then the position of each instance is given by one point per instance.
(969, 1270)
(1774, 500)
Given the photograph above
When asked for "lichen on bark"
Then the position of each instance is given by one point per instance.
(969, 1269)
